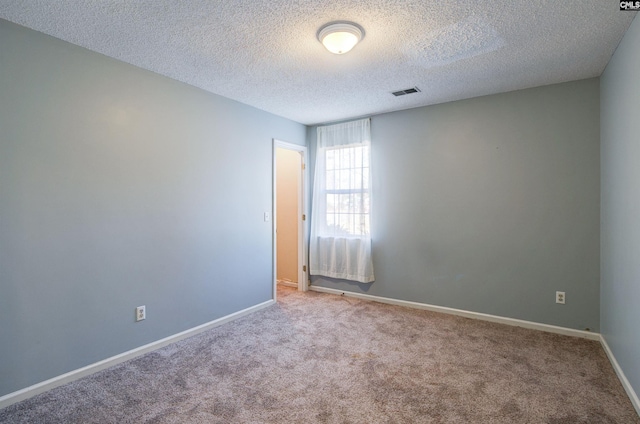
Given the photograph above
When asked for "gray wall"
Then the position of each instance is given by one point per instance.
(119, 188)
(620, 138)
(490, 205)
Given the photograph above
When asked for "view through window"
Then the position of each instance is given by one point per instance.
(347, 190)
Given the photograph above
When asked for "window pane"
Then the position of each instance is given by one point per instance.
(357, 179)
(344, 222)
(358, 227)
(344, 182)
(330, 220)
(344, 204)
(331, 199)
(331, 177)
(348, 204)
(345, 155)
(357, 203)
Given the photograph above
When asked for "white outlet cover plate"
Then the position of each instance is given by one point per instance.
(141, 313)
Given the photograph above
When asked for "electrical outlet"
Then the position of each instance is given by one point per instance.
(141, 313)
(560, 297)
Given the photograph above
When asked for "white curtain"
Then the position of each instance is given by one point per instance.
(340, 245)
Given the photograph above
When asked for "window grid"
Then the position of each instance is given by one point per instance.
(347, 190)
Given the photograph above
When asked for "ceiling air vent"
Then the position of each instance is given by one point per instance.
(407, 91)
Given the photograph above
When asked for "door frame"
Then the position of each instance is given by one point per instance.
(303, 201)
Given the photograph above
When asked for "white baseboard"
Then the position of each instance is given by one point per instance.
(502, 320)
(287, 283)
(623, 378)
(43, 386)
(467, 314)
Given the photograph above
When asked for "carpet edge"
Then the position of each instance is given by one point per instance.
(633, 397)
(621, 376)
(43, 386)
(467, 314)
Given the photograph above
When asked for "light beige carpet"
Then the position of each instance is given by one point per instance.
(317, 358)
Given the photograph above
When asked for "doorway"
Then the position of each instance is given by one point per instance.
(289, 216)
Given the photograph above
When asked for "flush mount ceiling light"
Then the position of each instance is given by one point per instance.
(340, 37)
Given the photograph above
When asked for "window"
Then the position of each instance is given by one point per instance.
(347, 190)
(340, 244)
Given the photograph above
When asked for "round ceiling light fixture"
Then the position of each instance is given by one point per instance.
(340, 37)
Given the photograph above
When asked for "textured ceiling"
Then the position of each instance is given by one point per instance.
(265, 53)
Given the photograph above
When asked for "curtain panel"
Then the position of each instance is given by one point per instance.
(340, 241)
